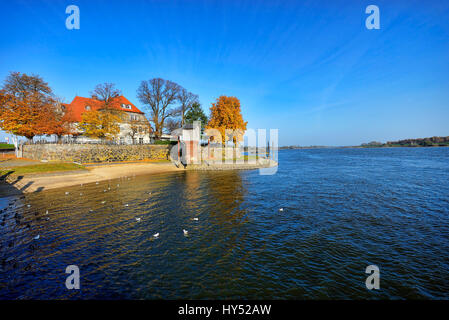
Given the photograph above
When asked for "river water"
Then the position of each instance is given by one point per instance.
(343, 209)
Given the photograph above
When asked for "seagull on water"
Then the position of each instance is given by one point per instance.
(126, 205)
(185, 232)
(37, 237)
(156, 235)
(46, 212)
(103, 201)
(138, 219)
(195, 219)
(281, 209)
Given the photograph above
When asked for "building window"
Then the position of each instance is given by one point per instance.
(126, 106)
(140, 140)
(122, 140)
(87, 108)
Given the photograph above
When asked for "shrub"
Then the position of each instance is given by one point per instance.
(165, 142)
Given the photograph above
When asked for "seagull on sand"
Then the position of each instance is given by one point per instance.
(126, 205)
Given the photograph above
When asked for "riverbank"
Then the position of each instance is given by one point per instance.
(93, 173)
(31, 176)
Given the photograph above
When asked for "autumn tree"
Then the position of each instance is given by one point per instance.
(225, 114)
(196, 113)
(186, 100)
(99, 124)
(28, 106)
(160, 97)
(62, 121)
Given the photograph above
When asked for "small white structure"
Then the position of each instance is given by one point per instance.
(189, 149)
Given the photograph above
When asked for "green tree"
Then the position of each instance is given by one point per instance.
(196, 113)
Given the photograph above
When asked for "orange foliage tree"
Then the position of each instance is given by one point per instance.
(99, 124)
(28, 107)
(226, 116)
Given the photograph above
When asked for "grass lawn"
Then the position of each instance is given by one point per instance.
(6, 146)
(42, 168)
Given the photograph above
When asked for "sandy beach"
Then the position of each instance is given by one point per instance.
(94, 173)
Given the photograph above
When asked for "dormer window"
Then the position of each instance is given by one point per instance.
(126, 106)
(87, 108)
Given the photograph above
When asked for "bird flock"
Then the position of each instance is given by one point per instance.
(138, 219)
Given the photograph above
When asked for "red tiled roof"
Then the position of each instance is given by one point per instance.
(78, 106)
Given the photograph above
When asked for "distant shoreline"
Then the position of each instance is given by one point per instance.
(358, 147)
(406, 143)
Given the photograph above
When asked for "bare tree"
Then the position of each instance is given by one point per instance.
(105, 92)
(186, 99)
(172, 124)
(159, 96)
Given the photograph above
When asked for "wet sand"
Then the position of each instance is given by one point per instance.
(94, 173)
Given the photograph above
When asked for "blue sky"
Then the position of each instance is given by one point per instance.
(309, 68)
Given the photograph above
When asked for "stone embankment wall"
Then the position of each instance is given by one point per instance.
(89, 153)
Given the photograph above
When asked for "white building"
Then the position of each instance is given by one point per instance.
(134, 128)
